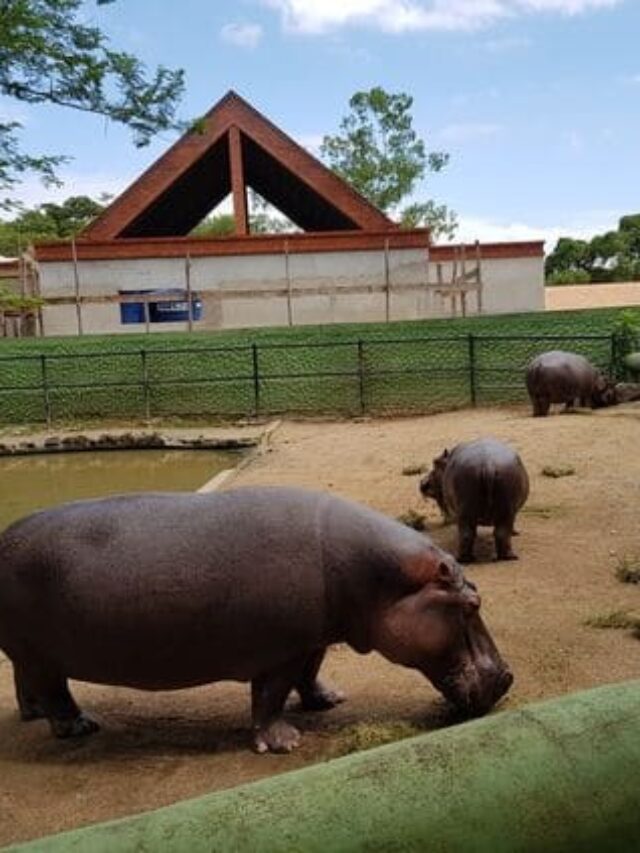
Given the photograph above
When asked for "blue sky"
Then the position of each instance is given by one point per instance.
(537, 101)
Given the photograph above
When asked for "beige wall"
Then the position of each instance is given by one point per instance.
(263, 290)
(568, 297)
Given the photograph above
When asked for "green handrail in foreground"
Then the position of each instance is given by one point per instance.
(558, 776)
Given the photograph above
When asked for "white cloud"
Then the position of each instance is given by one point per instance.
(468, 132)
(31, 191)
(472, 228)
(310, 141)
(242, 35)
(396, 16)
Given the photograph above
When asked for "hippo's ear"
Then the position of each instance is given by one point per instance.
(445, 455)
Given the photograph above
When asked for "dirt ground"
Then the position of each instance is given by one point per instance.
(155, 749)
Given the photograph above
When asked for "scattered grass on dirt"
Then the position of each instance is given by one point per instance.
(621, 620)
(541, 511)
(414, 469)
(413, 519)
(628, 569)
(556, 471)
(368, 735)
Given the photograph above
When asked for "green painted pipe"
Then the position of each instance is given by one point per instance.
(558, 776)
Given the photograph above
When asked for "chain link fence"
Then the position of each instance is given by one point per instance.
(344, 377)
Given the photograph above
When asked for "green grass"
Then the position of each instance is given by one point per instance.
(403, 367)
(620, 620)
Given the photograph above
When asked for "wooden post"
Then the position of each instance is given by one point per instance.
(387, 282)
(76, 282)
(287, 271)
(187, 276)
(480, 282)
(238, 186)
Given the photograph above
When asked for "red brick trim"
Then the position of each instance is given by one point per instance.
(277, 244)
(267, 244)
(488, 251)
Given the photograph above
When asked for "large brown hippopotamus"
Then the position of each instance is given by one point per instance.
(480, 482)
(164, 591)
(565, 377)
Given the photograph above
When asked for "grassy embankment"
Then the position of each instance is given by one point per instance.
(407, 366)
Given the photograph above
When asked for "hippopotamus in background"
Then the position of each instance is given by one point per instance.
(482, 482)
(164, 591)
(564, 377)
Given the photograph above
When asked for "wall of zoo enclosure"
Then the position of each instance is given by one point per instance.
(285, 289)
(343, 378)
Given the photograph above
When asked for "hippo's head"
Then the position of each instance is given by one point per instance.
(431, 485)
(438, 630)
(604, 393)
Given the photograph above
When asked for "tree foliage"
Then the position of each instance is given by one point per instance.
(380, 154)
(47, 222)
(48, 55)
(613, 256)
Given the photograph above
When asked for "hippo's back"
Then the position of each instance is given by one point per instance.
(560, 375)
(485, 478)
(169, 589)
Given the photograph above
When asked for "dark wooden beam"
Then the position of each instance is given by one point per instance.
(238, 186)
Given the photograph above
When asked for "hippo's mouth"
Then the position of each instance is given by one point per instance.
(474, 695)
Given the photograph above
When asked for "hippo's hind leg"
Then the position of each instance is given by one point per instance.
(466, 539)
(314, 695)
(41, 692)
(502, 533)
(28, 706)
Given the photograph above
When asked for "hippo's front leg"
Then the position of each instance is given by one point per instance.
(268, 694)
(314, 695)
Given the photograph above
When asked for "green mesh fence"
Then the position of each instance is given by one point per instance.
(340, 377)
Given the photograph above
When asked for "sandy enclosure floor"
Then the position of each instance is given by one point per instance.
(157, 748)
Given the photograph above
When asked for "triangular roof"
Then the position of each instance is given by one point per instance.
(234, 146)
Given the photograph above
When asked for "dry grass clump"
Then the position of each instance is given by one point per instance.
(628, 569)
(413, 519)
(556, 471)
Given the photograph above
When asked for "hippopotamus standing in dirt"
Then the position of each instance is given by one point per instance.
(164, 591)
(482, 482)
(564, 377)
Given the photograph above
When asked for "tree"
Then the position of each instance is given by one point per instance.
(47, 222)
(48, 56)
(613, 256)
(380, 154)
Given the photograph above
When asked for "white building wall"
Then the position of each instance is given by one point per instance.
(264, 290)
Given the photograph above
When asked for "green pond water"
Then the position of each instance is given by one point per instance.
(29, 483)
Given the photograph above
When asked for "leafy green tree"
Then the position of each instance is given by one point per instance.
(47, 222)
(568, 256)
(216, 225)
(47, 55)
(442, 221)
(380, 154)
(613, 256)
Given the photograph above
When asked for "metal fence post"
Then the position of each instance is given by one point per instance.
(256, 380)
(472, 368)
(45, 389)
(145, 384)
(615, 358)
(361, 369)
